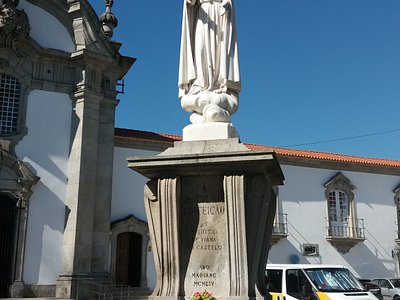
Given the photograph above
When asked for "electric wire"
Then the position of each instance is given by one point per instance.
(344, 138)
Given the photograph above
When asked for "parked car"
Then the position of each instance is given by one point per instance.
(373, 287)
(390, 287)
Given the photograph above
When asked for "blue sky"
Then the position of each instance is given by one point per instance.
(312, 71)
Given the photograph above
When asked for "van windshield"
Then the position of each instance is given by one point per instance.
(334, 280)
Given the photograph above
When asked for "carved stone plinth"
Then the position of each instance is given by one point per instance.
(210, 208)
(209, 131)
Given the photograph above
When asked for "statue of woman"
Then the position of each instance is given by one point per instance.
(209, 79)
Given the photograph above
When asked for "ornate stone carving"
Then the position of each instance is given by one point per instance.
(23, 176)
(108, 20)
(14, 24)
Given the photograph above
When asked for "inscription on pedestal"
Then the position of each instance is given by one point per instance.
(204, 234)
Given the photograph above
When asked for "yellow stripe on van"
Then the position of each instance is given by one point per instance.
(277, 296)
(322, 296)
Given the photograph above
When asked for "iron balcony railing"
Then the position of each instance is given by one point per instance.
(351, 228)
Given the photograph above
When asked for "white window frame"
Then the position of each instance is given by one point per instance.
(343, 223)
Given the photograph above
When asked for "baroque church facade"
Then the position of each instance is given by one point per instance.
(71, 212)
(59, 74)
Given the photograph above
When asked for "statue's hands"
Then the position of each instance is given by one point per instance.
(225, 5)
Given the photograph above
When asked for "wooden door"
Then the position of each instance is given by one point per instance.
(129, 259)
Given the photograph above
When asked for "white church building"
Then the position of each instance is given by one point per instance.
(72, 216)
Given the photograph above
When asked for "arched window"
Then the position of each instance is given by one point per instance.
(10, 95)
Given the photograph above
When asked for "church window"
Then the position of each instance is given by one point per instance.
(10, 94)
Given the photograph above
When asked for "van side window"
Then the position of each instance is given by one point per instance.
(295, 280)
(292, 283)
(273, 279)
(385, 284)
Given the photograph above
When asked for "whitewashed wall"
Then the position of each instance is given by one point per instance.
(128, 186)
(303, 199)
(128, 196)
(46, 149)
(46, 29)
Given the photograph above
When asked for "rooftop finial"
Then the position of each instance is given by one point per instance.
(108, 20)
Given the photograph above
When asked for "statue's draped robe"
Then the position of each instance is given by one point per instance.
(209, 54)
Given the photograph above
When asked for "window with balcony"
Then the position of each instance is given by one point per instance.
(397, 202)
(280, 227)
(344, 229)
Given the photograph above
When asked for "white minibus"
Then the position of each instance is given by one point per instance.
(314, 282)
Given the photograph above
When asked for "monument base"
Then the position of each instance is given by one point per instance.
(210, 205)
(209, 131)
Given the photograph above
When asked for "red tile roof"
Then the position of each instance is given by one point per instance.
(146, 135)
(328, 156)
(160, 137)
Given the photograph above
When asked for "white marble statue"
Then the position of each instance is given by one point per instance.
(209, 79)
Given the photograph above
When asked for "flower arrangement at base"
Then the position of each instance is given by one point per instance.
(203, 296)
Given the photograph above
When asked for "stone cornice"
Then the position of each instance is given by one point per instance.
(118, 65)
(55, 70)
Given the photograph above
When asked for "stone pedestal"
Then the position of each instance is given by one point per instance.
(209, 131)
(210, 208)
